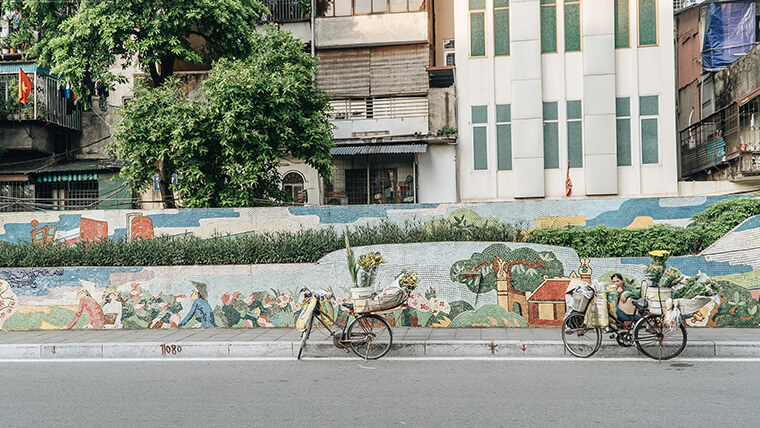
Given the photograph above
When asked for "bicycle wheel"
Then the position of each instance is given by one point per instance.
(580, 340)
(305, 335)
(370, 337)
(657, 340)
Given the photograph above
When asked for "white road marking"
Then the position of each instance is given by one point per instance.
(494, 359)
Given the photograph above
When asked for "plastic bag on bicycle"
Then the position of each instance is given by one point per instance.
(307, 308)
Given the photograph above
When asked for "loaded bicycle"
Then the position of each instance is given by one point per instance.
(368, 335)
(652, 335)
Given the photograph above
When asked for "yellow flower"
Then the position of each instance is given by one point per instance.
(659, 253)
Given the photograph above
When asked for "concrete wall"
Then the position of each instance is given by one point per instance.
(437, 181)
(372, 30)
(738, 79)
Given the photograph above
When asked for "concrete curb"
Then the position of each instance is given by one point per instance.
(325, 349)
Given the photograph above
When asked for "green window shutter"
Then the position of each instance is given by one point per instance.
(572, 26)
(649, 149)
(504, 147)
(649, 105)
(548, 26)
(503, 113)
(479, 114)
(622, 107)
(479, 147)
(623, 132)
(551, 145)
(622, 19)
(500, 3)
(501, 31)
(647, 22)
(575, 143)
(477, 4)
(477, 34)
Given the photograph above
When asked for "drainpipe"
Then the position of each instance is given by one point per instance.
(313, 16)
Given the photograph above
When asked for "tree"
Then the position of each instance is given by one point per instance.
(83, 39)
(225, 144)
(508, 271)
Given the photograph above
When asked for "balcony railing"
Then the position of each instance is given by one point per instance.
(388, 107)
(285, 11)
(46, 102)
(705, 144)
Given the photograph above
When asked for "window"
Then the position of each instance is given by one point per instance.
(477, 28)
(480, 137)
(503, 137)
(649, 112)
(551, 136)
(575, 134)
(647, 22)
(623, 130)
(364, 7)
(572, 25)
(68, 194)
(293, 184)
(448, 52)
(501, 27)
(16, 196)
(621, 24)
(548, 26)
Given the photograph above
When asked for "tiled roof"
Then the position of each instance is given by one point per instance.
(552, 290)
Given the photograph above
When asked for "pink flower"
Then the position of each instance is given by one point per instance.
(180, 297)
(268, 302)
(295, 306)
(283, 300)
(162, 306)
(13, 303)
(235, 295)
(248, 324)
(174, 320)
(249, 300)
(440, 305)
(264, 322)
(139, 307)
(156, 296)
(226, 299)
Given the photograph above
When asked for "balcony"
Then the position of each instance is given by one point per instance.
(371, 30)
(46, 103)
(283, 11)
(361, 117)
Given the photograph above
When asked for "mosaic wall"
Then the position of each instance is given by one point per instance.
(71, 227)
(461, 284)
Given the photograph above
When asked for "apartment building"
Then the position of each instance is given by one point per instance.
(550, 90)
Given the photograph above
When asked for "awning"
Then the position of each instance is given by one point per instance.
(378, 149)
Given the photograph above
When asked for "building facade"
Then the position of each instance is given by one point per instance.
(565, 98)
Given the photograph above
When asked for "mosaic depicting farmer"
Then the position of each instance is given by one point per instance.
(91, 307)
(8, 304)
(200, 307)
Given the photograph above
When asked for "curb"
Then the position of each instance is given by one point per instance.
(503, 349)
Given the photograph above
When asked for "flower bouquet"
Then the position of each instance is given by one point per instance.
(368, 264)
(407, 280)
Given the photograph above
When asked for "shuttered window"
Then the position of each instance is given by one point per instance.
(572, 25)
(548, 26)
(623, 130)
(480, 137)
(551, 136)
(622, 19)
(647, 22)
(575, 134)
(650, 124)
(503, 137)
(501, 27)
(477, 28)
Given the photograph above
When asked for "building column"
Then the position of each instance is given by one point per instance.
(527, 108)
(600, 160)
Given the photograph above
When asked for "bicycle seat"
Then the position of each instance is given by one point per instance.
(347, 305)
(641, 304)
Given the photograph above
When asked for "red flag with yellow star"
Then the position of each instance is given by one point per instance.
(24, 86)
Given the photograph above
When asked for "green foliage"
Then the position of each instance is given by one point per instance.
(226, 144)
(488, 316)
(446, 131)
(737, 307)
(84, 39)
(722, 216)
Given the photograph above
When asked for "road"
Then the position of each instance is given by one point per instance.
(437, 393)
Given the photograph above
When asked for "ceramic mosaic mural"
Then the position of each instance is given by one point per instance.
(461, 284)
(71, 226)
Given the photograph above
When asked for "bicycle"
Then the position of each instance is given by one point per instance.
(651, 335)
(369, 336)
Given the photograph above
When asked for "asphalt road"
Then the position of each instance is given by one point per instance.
(380, 394)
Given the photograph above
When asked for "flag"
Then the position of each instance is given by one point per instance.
(568, 183)
(24, 86)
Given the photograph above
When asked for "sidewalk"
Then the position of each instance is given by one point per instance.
(284, 343)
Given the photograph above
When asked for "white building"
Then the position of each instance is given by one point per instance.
(543, 83)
